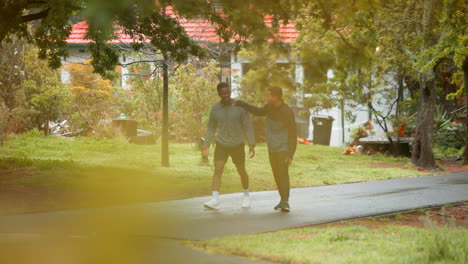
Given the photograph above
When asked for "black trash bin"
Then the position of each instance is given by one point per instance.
(322, 129)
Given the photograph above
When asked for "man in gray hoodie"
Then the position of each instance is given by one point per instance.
(281, 139)
(232, 125)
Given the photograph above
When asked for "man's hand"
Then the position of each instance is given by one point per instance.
(234, 101)
(252, 152)
(288, 161)
(205, 151)
(237, 102)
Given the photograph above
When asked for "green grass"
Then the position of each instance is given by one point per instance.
(348, 244)
(89, 164)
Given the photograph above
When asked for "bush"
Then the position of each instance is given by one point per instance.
(446, 151)
(34, 133)
(450, 136)
(92, 96)
(13, 120)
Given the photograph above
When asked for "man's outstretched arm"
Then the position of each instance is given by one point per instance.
(258, 111)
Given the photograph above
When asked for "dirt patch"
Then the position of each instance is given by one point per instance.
(451, 165)
(448, 165)
(8, 175)
(383, 165)
(451, 216)
(309, 235)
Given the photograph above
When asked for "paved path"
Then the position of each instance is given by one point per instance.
(186, 219)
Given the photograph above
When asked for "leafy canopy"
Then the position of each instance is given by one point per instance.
(47, 23)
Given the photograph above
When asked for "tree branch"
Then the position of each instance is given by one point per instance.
(143, 75)
(35, 16)
(140, 61)
(32, 2)
(405, 12)
(345, 40)
(404, 49)
(428, 16)
(384, 28)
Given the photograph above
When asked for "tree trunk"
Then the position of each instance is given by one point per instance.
(46, 127)
(397, 146)
(422, 146)
(465, 117)
(165, 119)
(165, 110)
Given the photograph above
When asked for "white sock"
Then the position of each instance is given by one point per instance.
(216, 195)
(246, 192)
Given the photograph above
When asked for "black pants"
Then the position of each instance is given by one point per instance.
(280, 167)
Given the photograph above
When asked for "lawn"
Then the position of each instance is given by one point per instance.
(114, 171)
(418, 239)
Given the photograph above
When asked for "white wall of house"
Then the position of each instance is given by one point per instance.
(75, 55)
(299, 73)
(236, 73)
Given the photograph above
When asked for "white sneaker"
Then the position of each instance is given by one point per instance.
(212, 204)
(246, 202)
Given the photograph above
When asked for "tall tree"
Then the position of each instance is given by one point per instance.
(45, 93)
(12, 98)
(465, 87)
(31, 93)
(426, 34)
(414, 37)
(364, 76)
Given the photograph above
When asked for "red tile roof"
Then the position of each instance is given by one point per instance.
(197, 29)
(79, 30)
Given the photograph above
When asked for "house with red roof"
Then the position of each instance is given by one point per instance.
(202, 31)
(233, 68)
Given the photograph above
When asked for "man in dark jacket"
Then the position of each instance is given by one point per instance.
(232, 125)
(281, 139)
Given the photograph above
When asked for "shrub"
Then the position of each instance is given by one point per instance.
(92, 97)
(451, 135)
